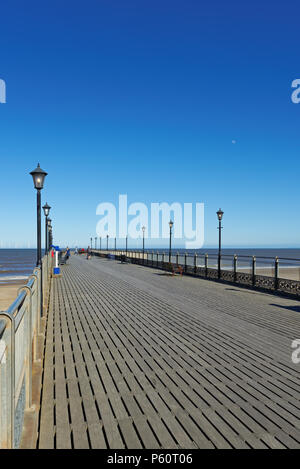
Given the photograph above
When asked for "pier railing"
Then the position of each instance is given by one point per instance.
(20, 326)
(267, 273)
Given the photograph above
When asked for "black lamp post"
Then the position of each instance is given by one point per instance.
(220, 216)
(170, 246)
(115, 244)
(50, 236)
(143, 230)
(49, 227)
(126, 244)
(107, 236)
(100, 242)
(38, 176)
(96, 242)
(46, 209)
(50, 233)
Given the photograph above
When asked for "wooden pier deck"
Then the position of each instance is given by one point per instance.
(136, 358)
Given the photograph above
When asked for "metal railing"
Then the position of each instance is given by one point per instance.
(20, 326)
(268, 273)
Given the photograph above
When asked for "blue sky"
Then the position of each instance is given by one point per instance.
(144, 98)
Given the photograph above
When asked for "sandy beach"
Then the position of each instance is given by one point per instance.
(8, 293)
(288, 273)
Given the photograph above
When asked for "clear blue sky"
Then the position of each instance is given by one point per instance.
(145, 98)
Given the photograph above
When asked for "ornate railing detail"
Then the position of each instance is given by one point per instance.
(188, 265)
(265, 282)
(212, 273)
(289, 286)
(244, 278)
(227, 275)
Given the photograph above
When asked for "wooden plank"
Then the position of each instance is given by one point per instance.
(130, 434)
(145, 432)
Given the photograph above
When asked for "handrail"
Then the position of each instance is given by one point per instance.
(31, 281)
(16, 304)
(273, 276)
(19, 330)
(189, 254)
(2, 326)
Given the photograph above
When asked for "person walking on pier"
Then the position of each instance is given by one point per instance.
(68, 252)
(88, 253)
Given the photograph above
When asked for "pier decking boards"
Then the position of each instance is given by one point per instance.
(136, 358)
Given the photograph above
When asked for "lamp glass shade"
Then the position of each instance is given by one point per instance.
(46, 209)
(220, 214)
(38, 176)
(171, 224)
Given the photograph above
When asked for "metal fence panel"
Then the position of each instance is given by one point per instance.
(19, 327)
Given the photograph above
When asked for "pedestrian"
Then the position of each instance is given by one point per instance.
(88, 253)
(68, 252)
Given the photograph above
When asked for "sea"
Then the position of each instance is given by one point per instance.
(17, 264)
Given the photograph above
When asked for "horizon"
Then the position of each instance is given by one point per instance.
(121, 247)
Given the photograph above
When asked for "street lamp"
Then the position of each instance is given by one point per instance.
(49, 230)
(100, 242)
(126, 244)
(220, 216)
(91, 243)
(107, 236)
(96, 242)
(143, 230)
(38, 176)
(46, 209)
(50, 236)
(170, 247)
